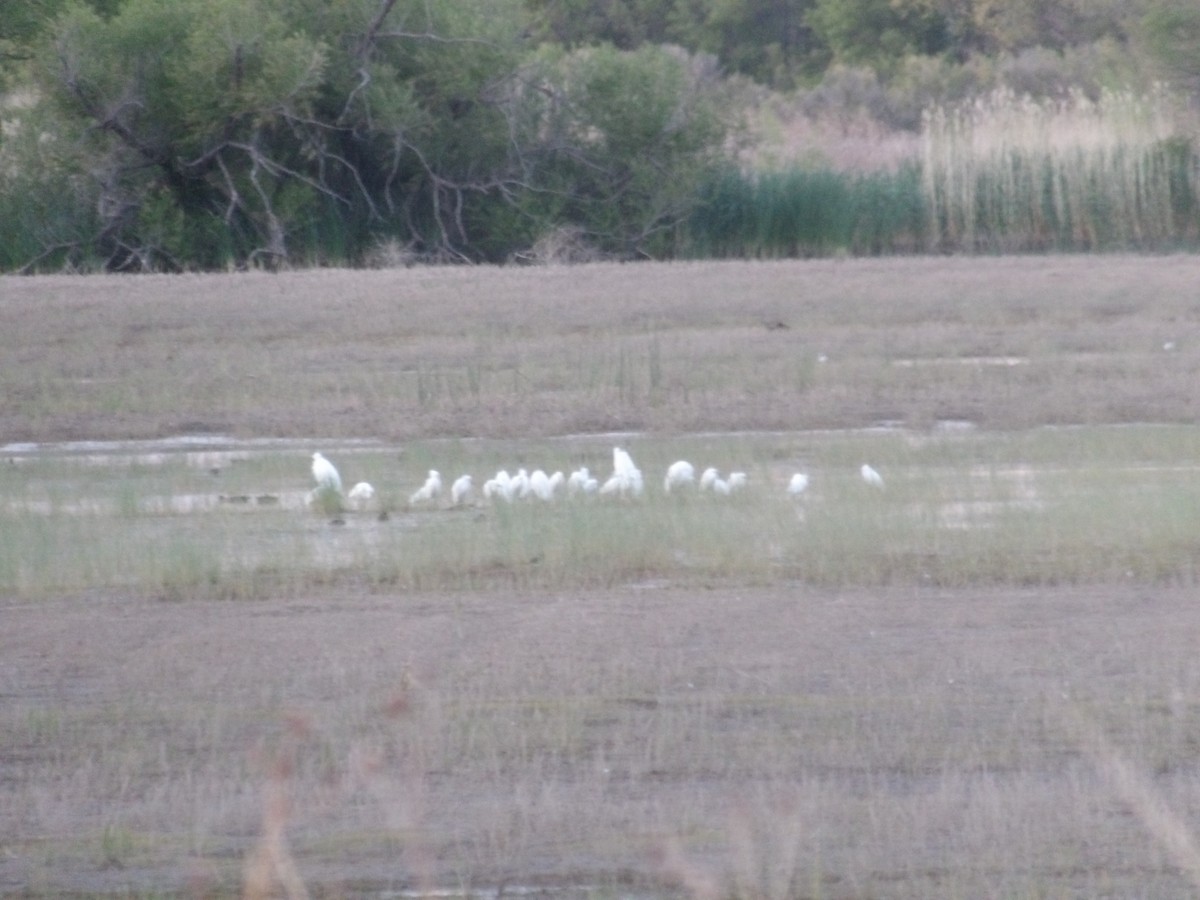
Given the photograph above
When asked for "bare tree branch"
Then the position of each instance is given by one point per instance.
(367, 42)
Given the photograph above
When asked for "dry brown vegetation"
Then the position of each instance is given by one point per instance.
(410, 353)
(771, 742)
(899, 696)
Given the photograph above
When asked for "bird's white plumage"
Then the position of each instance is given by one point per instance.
(520, 484)
(540, 485)
(626, 479)
(871, 477)
(577, 480)
(679, 473)
(429, 490)
(460, 491)
(326, 475)
(798, 485)
(361, 494)
(500, 485)
(711, 480)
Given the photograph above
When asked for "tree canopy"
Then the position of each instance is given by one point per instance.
(256, 130)
(152, 134)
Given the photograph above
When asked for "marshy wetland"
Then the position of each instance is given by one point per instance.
(978, 681)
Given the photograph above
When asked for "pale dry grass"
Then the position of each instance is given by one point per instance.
(726, 712)
(760, 742)
(1011, 172)
(665, 348)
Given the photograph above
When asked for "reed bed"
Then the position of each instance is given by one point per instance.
(1005, 173)
(802, 212)
(1010, 173)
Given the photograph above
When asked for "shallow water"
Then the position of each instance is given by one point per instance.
(197, 451)
(219, 504)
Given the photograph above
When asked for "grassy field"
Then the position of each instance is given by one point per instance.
(404, 354)
(978, 681)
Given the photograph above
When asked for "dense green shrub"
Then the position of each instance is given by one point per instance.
(209, 133)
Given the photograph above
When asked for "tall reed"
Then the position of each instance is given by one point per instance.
(800, 213)
(1011, 173)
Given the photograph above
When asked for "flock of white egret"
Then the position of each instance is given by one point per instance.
(626, 481)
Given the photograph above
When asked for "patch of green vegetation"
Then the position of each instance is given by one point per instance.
(1058, 505)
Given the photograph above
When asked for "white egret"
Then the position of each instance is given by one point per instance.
(361, 495)
(798, 485)
(709, 476)
(326, 475)
(623, 463)
(540, 486)
(460, 491)
(582, 482)
(629, 475)
(577, 480)
(499, 486)
(429, 490)
(738, 480)
(679, 474)
(871, 477)
(722, 487)
(520, 484)
(626, 477)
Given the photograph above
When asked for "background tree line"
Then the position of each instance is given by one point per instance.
(178, 134)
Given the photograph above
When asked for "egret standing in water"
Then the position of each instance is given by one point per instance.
(577, 480)
(679, 474)
(581, 481)
(871, 477)
(520, 484)
(626, 478)
(460, 491)
(539, 485)
(326, 475)
(500, 486)
(361, 495)
(798, 485)
(429, 490)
